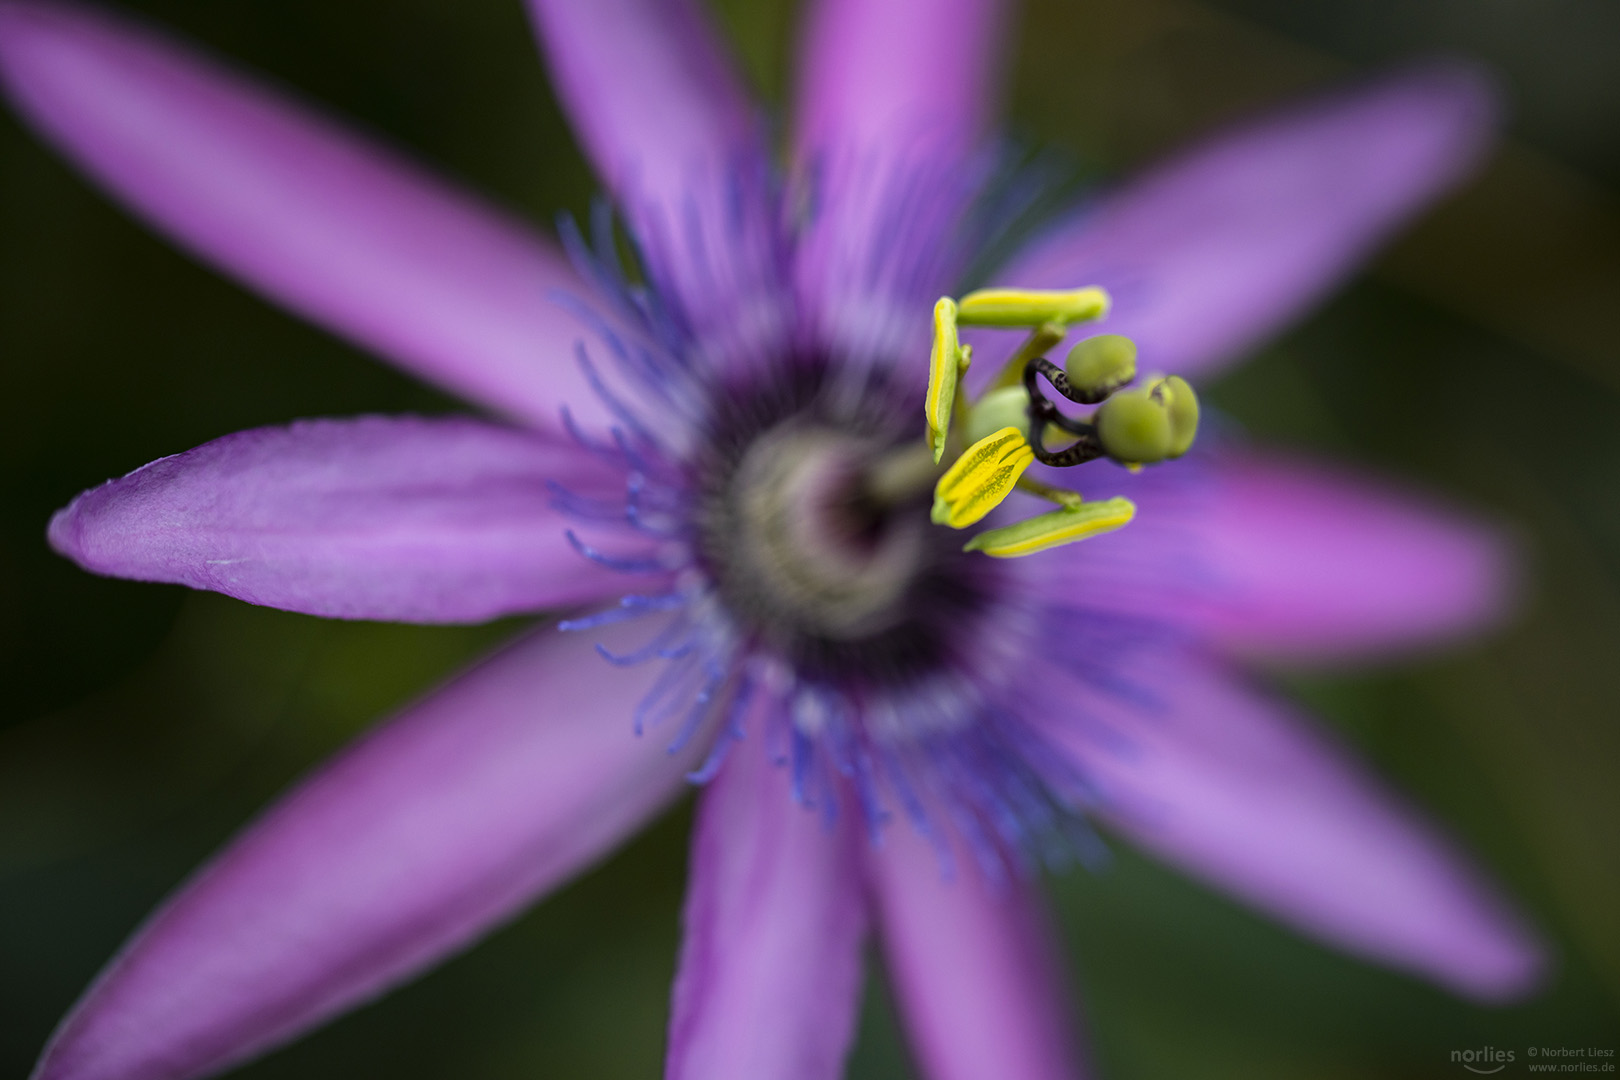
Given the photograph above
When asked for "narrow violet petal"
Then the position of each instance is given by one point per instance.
(650, 90)
(1312, 561)
(403, 849)
(770, 973)
(1285, 559)
(398, 518)
(1237, 789)
(888, 73)
(974, 965)
(660, 110)
(893, 99)
(1219, 247)
(339, 230)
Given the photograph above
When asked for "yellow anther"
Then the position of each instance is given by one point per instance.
(946, 363)
(981, 478)
(1063, 526)
(1032, 307)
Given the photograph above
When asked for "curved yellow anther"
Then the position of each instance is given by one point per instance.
(981, 478)
(1032, 307)
(946, 363)
(1063, 526)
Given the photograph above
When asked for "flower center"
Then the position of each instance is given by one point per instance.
(809, 544)
(818, 541)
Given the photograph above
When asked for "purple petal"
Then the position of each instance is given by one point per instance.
(1311, 561)
(403, 849)
(893, 99)
(770, 971)
(1218, 248)
(974, 966)
(404, 519)
(1238, 790)
(897, 73)
(649, 88)
(662, 114)
(1290, 560)
(340, 231)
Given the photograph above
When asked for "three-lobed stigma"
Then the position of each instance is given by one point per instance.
(1013, 424)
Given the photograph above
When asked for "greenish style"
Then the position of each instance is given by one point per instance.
(1006, 407)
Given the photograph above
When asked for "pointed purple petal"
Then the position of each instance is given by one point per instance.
(892, 101)
(403, 849)
(1221, 246)
(1236, 789)
(1291, 560)
(340, 231)
(659, 109)
(404, 519)
(650, 90)
(770, 972)
(1313, 561)
(974, 965)
(897, 73)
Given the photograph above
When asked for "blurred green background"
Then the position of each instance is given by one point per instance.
(1479, 356)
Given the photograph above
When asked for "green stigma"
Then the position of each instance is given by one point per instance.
(1012, 424)
(1101, 364)
(1150, 423)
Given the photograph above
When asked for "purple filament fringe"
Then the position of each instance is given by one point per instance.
(623, 564)
(629, 607)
